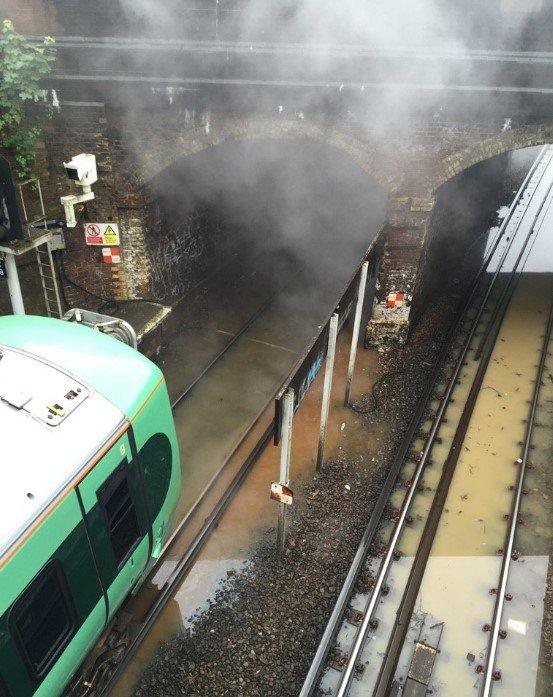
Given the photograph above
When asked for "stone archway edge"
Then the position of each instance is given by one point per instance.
(508, 139)
(212, 133)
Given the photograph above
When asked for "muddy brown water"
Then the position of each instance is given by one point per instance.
(464, 564)
(267, 350)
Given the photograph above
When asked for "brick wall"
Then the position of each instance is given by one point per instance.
(162, 260)
(71, 131)
(182, 251)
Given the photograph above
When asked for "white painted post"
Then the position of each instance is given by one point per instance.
(285, 450)
(356, 326)
(14, 287)
(329, 370)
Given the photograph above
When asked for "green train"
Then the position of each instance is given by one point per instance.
(89, 482)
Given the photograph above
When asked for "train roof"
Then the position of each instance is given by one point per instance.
(122, 375)
(66, 391)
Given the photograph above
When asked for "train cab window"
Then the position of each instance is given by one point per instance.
(42, 620)
(120, 513)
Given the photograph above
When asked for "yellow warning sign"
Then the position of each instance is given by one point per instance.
(111, 236)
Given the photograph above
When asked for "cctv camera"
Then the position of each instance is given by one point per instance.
(82, 169)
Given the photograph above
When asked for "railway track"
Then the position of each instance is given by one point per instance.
(367, 647)
(220, 354)
(509, 553)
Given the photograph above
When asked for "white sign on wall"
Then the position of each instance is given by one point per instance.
(102, 234)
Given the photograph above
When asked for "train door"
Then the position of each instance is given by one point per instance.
(51, 605)
(115, 505)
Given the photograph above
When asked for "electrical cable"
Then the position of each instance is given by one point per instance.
(359, 408)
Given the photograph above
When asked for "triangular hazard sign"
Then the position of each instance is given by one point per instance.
(109, 231)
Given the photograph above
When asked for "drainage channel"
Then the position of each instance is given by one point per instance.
(375, 606)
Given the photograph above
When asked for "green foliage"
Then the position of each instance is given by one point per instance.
(22, 66)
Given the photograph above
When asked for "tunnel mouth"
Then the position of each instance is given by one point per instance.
(258, 237)
(267, 214)
(468, 210)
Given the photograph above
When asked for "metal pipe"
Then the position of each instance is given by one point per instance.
(504, 575)
(356, 326)
(329, 370)
(285, 450)
(126, 43)
(302, 84)
(14, 286)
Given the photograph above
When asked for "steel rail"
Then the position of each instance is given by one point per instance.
(401, 624)
(192, 511)
(349, 669)
(485, 337)
(186, 561)
(335, 619)
(208, 487)
(500, 310)
(515, 508)
(361, 636)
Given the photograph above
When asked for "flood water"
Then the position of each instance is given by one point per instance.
(305, 260)
(252, 515)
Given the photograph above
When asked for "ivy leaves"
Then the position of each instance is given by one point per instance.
(22, 67)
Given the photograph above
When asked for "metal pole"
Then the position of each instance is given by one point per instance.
(329, 370)
(285, 449)
(356, 326)
(14, 288)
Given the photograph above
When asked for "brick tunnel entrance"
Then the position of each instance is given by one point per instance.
(259, 217)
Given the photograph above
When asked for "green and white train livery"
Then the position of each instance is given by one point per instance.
(89, 482)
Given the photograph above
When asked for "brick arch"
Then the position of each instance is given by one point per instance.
(512, 139)
(209, 135)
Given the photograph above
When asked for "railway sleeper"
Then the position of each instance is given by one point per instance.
(365, 582)
(354, 616)
(338, 660)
